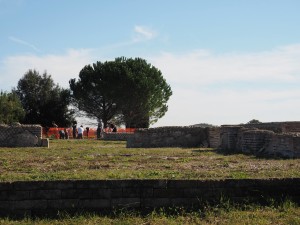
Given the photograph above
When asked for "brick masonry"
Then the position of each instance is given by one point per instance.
(47, 198)
(111, 136)
(280, 139)
(262, 142)
(188, 136)
(20, 135)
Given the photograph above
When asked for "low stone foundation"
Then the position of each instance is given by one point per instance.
(260, 142)
(48, 198)
(169, 137)
(280, 139)
(21, 136)
(116, 136)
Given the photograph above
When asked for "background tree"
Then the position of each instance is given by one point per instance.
(11, 109)
(43, 101)
(92, 93)
(145, 94)
(128, 90)
(253, 121)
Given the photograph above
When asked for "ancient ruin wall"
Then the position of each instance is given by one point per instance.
(286, 145)
(43, 198)
(260, 142)
(277, 127)
(214, 137)
(20, 135)
(229, 137)
(169, 137)
(116, 136)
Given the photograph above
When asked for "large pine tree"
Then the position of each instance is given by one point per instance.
(130, 90)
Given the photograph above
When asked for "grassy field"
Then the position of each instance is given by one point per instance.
(92, 159)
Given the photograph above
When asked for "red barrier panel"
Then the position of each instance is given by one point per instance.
(53, 132)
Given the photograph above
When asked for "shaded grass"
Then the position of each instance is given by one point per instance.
(93, 159)
(285, 213)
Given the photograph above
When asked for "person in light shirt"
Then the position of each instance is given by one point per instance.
(80, 132)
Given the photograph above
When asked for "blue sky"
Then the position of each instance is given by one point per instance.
(227, 61)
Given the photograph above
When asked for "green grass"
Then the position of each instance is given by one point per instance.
(92, 159)
(223, 214)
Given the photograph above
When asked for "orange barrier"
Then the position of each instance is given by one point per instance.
(53, 132)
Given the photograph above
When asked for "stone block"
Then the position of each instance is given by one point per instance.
(45, 142)
(45, 194)
(185, 202)
(155, 202)
(30, 204)
(22, 139)
(182, 183)
(195, 192)
(94, 184)
(63, 204)
(130, 192)
(154, 183)
(116, 192)
(6, 205)
(167, 193)
(19, 195)
(102, 193)
(76, 193)
(65, 184)
(95, 204)
(146, 192)
(29, 185)
(126, 202)
(4, 195)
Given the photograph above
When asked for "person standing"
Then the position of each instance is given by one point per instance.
(66, 133)
(80, 132)
(87, 131)
(74, 126)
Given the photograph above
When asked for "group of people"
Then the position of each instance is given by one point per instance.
(77, 133)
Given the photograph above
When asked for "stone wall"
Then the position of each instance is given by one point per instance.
(116, 136)
(169, 137)
(277, 127)
(229, 137)
(214, 137)
(46, 198)
(20, 135)
(260, 142)
(270, 139)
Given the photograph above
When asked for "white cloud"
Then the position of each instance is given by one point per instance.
(207, 87)
(143, 33)
(22, 42)
(61, 67)
(231, 88)
(204, 67)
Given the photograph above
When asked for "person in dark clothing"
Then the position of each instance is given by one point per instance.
(74, 127)
(114, 128)
(61, 134)
(87, 131)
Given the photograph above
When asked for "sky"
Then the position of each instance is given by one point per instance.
(227, 62)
